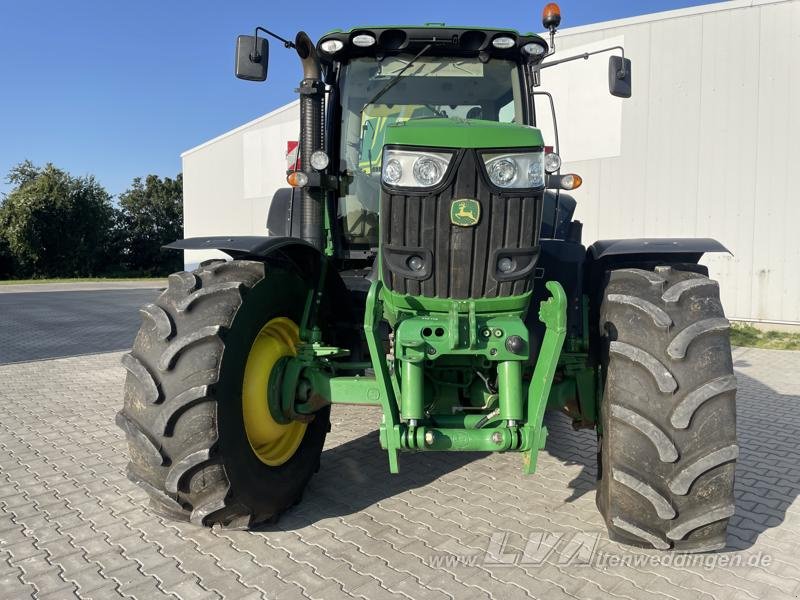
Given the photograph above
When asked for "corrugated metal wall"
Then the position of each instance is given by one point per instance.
(709, 146)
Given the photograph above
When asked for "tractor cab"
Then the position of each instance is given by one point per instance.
(385, 77)
(367, 85)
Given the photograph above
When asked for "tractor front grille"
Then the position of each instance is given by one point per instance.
(459, 262)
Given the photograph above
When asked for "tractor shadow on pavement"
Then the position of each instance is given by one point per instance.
(767, 470)
(355, 475)
(572, 448)
(768, 467)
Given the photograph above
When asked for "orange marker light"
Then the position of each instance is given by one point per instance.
(297, 179)
(551, 16)
(571, 181)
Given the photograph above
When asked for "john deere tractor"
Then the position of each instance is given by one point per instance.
(424, 259)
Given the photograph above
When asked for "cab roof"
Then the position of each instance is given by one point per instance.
(444, 40)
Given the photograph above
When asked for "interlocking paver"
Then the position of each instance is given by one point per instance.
(72, 525)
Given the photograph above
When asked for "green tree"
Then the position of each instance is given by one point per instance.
(151, 216)
(6, 258)
(54, 224)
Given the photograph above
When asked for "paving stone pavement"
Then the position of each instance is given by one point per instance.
(71, 525)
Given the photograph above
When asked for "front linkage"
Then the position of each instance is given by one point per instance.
(312, 379)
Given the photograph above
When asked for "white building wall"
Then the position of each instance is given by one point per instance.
(228, 182)
(706, 146)
(709, 142)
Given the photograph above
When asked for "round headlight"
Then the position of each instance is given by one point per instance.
(363, 40)
(503, 42)
(536, 172)
(533, 49)
(319, 160)
(505, 265)
(427, 170)
(415, 263)
(502, 171)
(552, 162)
(392, 171)
(331, 46)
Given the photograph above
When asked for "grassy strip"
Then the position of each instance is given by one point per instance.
(75, 280)
(744, 334)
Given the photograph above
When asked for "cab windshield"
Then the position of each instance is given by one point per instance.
(432, 87)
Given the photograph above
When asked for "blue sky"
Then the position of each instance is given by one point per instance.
(120, 89)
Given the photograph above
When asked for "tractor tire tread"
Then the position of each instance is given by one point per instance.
(143, 377)
(668, 416)
(170, 413)
(180, 343)
(166, 418)
(159, 318)
(139, 439)
(660, 374)
(205, 292)
(181, 468)
(667, 451)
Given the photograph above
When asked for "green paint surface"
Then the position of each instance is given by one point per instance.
(421, 305)
(463, 133)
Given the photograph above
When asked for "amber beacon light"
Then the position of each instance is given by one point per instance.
(551, 16)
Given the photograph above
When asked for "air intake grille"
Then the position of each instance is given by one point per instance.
(460, 262)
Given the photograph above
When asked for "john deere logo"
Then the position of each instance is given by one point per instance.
(465, 212)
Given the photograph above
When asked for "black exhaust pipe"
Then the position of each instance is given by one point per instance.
(312, 127)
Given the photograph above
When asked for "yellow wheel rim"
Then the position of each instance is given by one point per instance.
(273, 442)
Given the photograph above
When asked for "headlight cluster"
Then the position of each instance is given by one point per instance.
(404, 168)
(417, 169)
(519, 170)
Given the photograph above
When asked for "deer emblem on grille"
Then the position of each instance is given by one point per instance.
(465, 212)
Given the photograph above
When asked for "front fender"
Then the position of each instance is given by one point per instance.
(300, 256)
(306, 258)
(687, 249)
(606, 255)
(239, 246)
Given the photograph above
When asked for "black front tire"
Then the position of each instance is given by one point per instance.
(183, 409)
(668, 415)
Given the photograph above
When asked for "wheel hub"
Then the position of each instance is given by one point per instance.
(273, 442)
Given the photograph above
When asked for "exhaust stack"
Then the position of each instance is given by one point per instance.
(312, 127)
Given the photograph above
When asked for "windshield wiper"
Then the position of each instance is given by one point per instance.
(395, 79)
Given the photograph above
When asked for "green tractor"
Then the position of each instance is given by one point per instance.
(425, 261)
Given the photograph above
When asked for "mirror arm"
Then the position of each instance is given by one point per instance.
(621, 74)
(256, 57)
(555, 121)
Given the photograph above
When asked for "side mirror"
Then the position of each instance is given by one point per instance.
(619, 76)
(252, 56)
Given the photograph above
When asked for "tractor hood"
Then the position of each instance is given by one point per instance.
(462, 133)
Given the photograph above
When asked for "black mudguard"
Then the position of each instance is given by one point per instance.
(240, 246)
(648, 249)
(303, 255)
(646, 253)
(306, 260)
